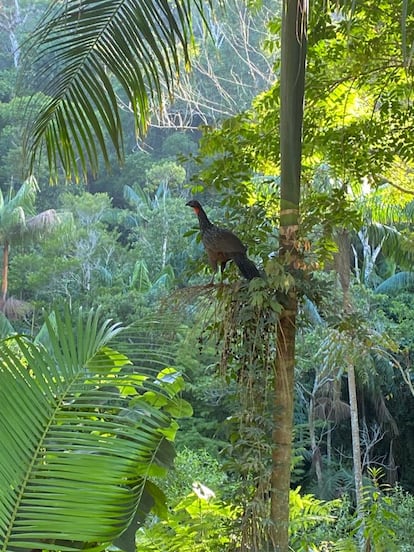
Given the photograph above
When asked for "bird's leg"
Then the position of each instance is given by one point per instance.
(213, 264)
(222, 267)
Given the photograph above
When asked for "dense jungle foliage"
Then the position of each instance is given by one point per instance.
(123, 244)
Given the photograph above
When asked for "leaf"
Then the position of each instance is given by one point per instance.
(107, 360)
(179, 408)
(171, 380)
(140, 277)
(152, 499)
(397, 282)
(75, 454)
(82, 51)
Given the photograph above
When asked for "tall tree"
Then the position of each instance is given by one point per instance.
(292, 88)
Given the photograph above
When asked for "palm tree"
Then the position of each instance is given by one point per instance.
(83, 426)
(17, 223)
(292, 86)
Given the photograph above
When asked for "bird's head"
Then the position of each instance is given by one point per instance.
(195, 205)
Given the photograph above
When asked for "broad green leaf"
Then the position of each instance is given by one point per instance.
(179, 408)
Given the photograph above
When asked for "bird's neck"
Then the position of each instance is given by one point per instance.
(203, 219)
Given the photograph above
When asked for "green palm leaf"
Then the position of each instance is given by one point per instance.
(402, 281)
(79, 436)
(79, 50)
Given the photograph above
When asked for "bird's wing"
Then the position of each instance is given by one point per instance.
(222, 240)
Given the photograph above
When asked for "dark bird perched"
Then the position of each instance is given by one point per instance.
(222, 245)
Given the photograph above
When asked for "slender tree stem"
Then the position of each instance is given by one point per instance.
(356, 450)
(292, 87)
(5, 272)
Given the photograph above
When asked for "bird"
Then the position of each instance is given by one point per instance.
(222, 245)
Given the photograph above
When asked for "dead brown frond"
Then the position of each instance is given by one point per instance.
(44, 221)
(15, 309)
(333, 410)
(384, 415)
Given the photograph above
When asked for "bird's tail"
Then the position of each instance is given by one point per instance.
(247, 267)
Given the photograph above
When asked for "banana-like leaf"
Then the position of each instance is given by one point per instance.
(82, 52)
(76, 444)
(402, 281)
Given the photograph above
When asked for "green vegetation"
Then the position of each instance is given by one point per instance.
(143, 409)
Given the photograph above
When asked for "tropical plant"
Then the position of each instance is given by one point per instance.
(306, 514)
(84, 427)
(95, 46)
(199, 522)
(19, 223)
(194, 466)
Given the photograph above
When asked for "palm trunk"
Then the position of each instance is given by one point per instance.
(292, 86)
(344, 271)
(283, 427)
(316, 454)
(356, 446)
(5, 272)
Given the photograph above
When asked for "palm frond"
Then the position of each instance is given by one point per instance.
(6, 329)
(334, 410)
(14, 309)
(378, 233)
(311, 312)
(23, 198)
(81, 430)
(140, 278)
(43, 221)
(396, 283)
(136, 198)
(79, 50)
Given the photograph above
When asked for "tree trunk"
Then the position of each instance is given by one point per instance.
(292, 86)
(283, 426)
(343, 267)
(316, 454)
(5, 272)
(356, 446)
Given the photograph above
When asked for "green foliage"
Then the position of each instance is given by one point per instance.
(91, 427)
(202, 522)
(358, 114)
(403, 509)
(191, 466)
(211, 396)
(324, 212)
(178, 145)
(396, 283)
(306, 514)
(68, 111)
(157, 236)
(377, 523)
(166, 175)
(334, 526)
(199, 522)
